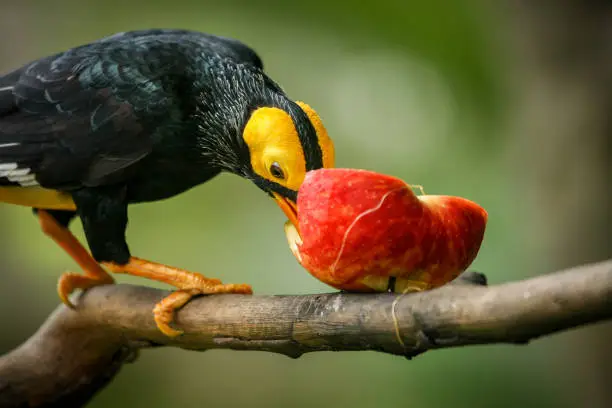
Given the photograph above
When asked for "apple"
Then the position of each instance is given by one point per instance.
(360, 230)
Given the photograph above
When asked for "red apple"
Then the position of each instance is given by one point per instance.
(358, 228)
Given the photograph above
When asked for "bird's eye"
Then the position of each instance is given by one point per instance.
(277, 171)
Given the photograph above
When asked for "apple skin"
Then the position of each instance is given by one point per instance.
(358, 228)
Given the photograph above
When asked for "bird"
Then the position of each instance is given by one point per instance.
(142, 116)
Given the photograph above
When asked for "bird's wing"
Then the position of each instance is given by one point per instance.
(81, 118)
(85, 116)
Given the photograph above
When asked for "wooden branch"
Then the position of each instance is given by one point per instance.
(76, 353)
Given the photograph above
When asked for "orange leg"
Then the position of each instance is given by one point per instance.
(68, 282)
(189, 284)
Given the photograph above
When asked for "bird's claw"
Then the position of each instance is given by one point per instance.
(163, 313)
(70, 281)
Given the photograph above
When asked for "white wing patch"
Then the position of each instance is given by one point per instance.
(13, 173)
(7, 167)
(8, 145)
(6, 88)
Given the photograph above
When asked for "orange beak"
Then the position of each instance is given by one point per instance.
(288, 207)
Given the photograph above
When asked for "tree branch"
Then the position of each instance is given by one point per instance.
(76, 353)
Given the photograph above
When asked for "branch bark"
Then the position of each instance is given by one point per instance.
(77, 352)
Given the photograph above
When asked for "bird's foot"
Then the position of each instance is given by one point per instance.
(190, 284)
(70, 281)
(163, 312)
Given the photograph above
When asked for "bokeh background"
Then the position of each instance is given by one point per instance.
(507, 105)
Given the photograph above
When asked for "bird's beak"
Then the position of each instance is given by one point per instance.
(288, 207)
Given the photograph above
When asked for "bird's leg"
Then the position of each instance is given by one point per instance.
(94, 274)
(104, 215)
(189, 284)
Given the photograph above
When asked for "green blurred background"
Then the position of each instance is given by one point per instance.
(504, 105)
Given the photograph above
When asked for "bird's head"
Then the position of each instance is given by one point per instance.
(284, 142)
(250, 127)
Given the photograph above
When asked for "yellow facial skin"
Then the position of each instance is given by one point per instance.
(273, 140)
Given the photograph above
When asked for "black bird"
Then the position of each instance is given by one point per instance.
(138, 117)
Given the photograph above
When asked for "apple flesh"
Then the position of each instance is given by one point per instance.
(363, 231)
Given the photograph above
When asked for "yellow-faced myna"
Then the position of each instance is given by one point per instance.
(138, 117)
